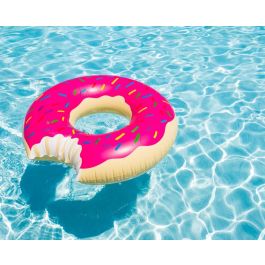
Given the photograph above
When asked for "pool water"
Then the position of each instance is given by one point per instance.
(211, 185)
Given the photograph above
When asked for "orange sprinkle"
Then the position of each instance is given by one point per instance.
(63, 118)
(155, 134)
(115, 80)
(73, 131)
(28, 119)
(131, 92)
(141, 110)
(119, 137)
(103, 87)
(60, 110)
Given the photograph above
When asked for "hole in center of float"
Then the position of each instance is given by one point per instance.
(100, 123)
(101, 115)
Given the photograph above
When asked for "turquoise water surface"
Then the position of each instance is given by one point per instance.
(211, 185)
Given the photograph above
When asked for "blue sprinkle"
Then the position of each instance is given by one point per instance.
(67, 105)
(147, 96)
(108, 136)
(130, 84)
(40, 108)
(48, 111)
(117, 86)
(163, 121)
(62, 95)
(118, 146)
(87, 142)
(45, 97)
(99, 78)
(149, 115)
(27, 126)
(83, 90)
(31, 134)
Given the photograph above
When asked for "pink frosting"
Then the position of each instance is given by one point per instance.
(49, 115)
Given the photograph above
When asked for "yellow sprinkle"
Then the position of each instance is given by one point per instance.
(114, 81)
(73, 131)
(141, 110)
(28, 119)
(60, 110)
(155, 134)
(119, 137)
(131, 92)
(63, 118)
(103, 87)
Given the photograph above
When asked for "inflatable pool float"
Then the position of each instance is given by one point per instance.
(49, 131)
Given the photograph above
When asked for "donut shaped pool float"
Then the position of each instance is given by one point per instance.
(49, 131)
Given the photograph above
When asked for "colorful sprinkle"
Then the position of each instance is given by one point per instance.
(28, 119)
(67, 105)
(165, 102)
(48, 111)
(137, 138)
(118, 146)
(155, 134)
(87, 142)
(131, 92)
(31, 134)
(26, 127)
(117, 87)
(155, 104)
(147, 96)
(83, 91)
(63, 118)
(115, 80)
(54, 121)
(82, 80)
(135, 129)
(163, 121)
(62, 95)
(138, 95)
(103, 87)
(45, 97)
(107, 136)
(141, 110)
(119, 137)
(40, 108)
(75, 92)
(99, 78)
(73, 131)
(130, 84)
(60, 110)
(149, 115)
(97, 141)
(169, 114)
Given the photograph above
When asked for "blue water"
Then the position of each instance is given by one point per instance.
(211, 185)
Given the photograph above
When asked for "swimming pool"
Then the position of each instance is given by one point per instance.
(212, 183)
